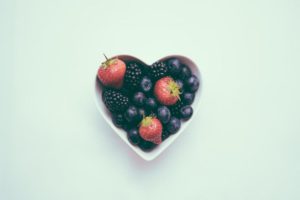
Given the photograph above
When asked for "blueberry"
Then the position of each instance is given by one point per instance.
(192, 83)
(180, 85)
(163, 114)
(142, 112)
(174, 125)
(134, 136)
(150, 104)
(188, 98)
(118, 120)
(139, 99)
(146, 84)
(131, 114)
(174, 67)
(140, 115)
(146, 145)
(185, 72)
(186, 112)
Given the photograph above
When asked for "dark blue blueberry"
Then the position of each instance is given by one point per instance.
(139, 99)
(186, 112)
(131, 114)
(150, 104)
(146, 84)
(142, 112)
(134, 136)
(180, 85)
(163, 114)
(192, 83)
(174, 67)
(174, 125)
(188, 98)
(185, 73)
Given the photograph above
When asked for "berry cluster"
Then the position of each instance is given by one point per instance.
(148, 102)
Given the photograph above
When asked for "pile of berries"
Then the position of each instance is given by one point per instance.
(148, 102)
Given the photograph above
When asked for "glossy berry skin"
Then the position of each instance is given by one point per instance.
(118, 120)
(186, 112)
(174, 125)
(166, 91)
(188, 98)
(146, 84)
(142, 112)
(150, 104)
(192, 83)
(111, 73)
(174, 67)
(131, 114)
(139, 99)
(185, 73)
(151, 130)
(140, 115)
(163, 114)
(180, 85)
(133, 136)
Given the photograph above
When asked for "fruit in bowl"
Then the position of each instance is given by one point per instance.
(149, 102)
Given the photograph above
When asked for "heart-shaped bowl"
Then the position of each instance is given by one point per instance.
(120, 132)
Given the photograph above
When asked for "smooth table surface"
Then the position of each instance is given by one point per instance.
(243, 143)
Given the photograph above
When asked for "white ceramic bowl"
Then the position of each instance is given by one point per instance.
(120, 132)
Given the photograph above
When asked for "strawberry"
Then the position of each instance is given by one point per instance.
(111, 72)
(151, 129)
(167, 91)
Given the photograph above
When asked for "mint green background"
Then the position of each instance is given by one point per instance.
(244, 143)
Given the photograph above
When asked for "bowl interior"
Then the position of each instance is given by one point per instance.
(120, 132)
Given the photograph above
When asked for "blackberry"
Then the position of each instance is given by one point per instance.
(158, 70)
(175, 109)
(133, 75)
(114, 100)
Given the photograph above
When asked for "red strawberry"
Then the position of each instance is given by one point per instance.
(111, 72)
(151, 130)
(167, 91)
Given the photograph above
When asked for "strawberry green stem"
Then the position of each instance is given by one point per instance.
(147, 121)
(108, 62)
(173, 87)
(105, 57)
